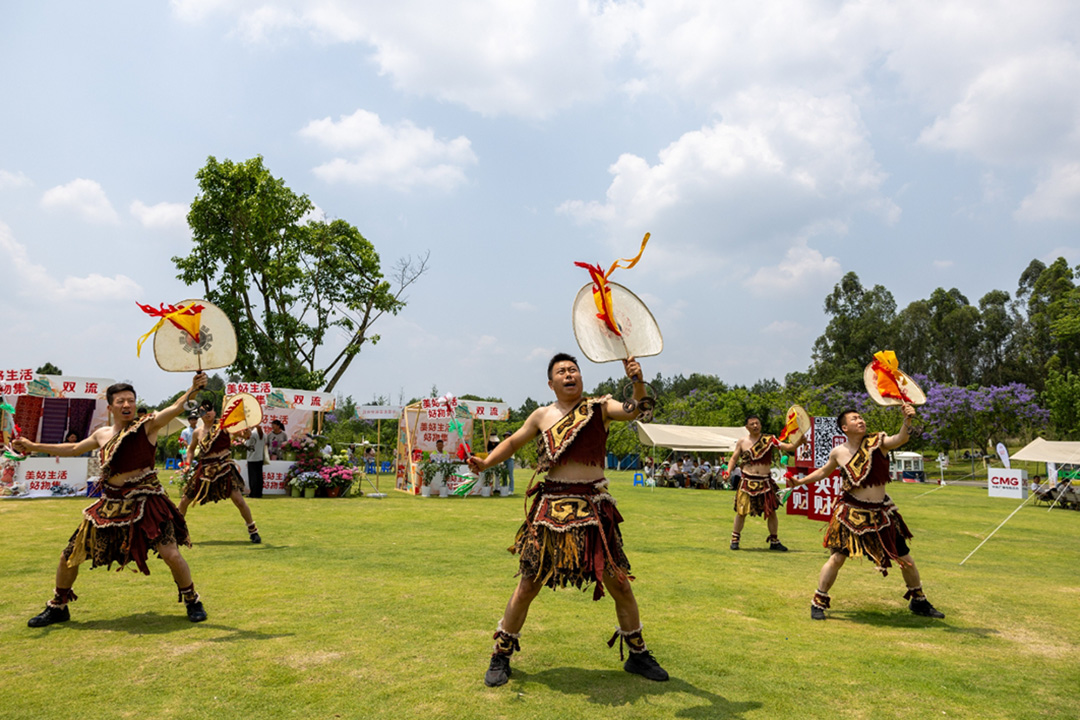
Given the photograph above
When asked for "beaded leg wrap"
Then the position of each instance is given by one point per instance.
(915, 593)
(187, 595)
(821, 600)
(735, 537)
(774, 539)
(61, 597)
(632, 638)
(505, 643)
(252, 529)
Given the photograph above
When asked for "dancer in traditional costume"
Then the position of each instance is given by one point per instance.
(134, 515)
(216, 476)
(865, 522)
(756, 494)
(571, 532)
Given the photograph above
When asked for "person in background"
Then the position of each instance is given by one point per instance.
(255, 441)
(276, 438)
(509, 466)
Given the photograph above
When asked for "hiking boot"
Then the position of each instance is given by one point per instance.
(498, 672)
(195, 612)
(923, 607)
(255, 538)
(645, 665)
(51, 614)
(778, 546)
(816, 613)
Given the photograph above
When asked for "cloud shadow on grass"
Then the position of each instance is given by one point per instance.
(616, 688)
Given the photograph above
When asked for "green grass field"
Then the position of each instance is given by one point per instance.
(366, 608)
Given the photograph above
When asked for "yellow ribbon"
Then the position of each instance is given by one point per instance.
(173, 316)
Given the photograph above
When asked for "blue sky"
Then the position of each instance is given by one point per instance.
(768, 147)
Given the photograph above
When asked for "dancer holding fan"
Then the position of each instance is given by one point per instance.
(571, 531)
(865, 521)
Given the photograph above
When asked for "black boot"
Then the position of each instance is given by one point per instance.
(645, 665)
(923, 607)
(51, 614)
(195, 612)
(498, 672)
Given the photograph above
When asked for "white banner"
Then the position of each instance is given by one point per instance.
(1003, 453)
(378, 412)
(16, 382)
(51, 476)
(482, 410)
(1002, 482)
(273, 476)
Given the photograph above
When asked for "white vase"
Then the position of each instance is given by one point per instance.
(425, 491)
(504, 490)
(444, 491)
(485, 491)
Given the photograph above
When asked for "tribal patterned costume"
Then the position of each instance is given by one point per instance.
(216, 475)
(872, 529)
(571, 533)
(131, 519)
(757, 493)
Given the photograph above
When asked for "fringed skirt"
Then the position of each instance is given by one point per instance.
(571, 537)
(873, 530)
(756, 496)
(125, 524)
(214, 480)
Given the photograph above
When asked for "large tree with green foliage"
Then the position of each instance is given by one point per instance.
(861, 323)
(285, 282)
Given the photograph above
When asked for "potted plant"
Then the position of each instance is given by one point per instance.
(428, 470)
(337, 479)
(308, 482)
(499, 475)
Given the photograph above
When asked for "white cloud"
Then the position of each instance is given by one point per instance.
(164, 215)
(1025, 109)
(1056, 197)
(85, 197)
(522, 306)
(779, 159)
(943, 264)
(35, 279)
(525, 58)
(803, 268)
(402, 156)
(10, 180)
(782, 327)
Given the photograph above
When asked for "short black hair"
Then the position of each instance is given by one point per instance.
(752, 416)
(278, 423)
(561, 357)
(842, 415)
(113, 390)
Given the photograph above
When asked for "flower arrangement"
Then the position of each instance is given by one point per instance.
(186, 474)
(308, 458)
(429, 469)
(339, 476)
(304, 480)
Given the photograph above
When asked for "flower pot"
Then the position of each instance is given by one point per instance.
(333, 492)
(504, 490)
(295, 491)
(309, 492)
(425, 491)
(485, 491)
(444, 491)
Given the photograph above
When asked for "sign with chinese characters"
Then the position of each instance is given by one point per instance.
(816, 501)
(269, 396)
(378, 412)
(483, 410)
(273, 476)
(25, 382)
(51, 476)
(1003, 482)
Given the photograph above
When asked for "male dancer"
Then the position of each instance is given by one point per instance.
(216, 476)
(571, 533)
(134, 515)
(865, 520)
(756, 494)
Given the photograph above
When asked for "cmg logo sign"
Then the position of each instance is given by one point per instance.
(1007, 483)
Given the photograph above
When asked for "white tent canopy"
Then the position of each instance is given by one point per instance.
(1040, 450)
(688, 438)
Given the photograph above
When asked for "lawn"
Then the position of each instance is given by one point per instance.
(384, 608)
